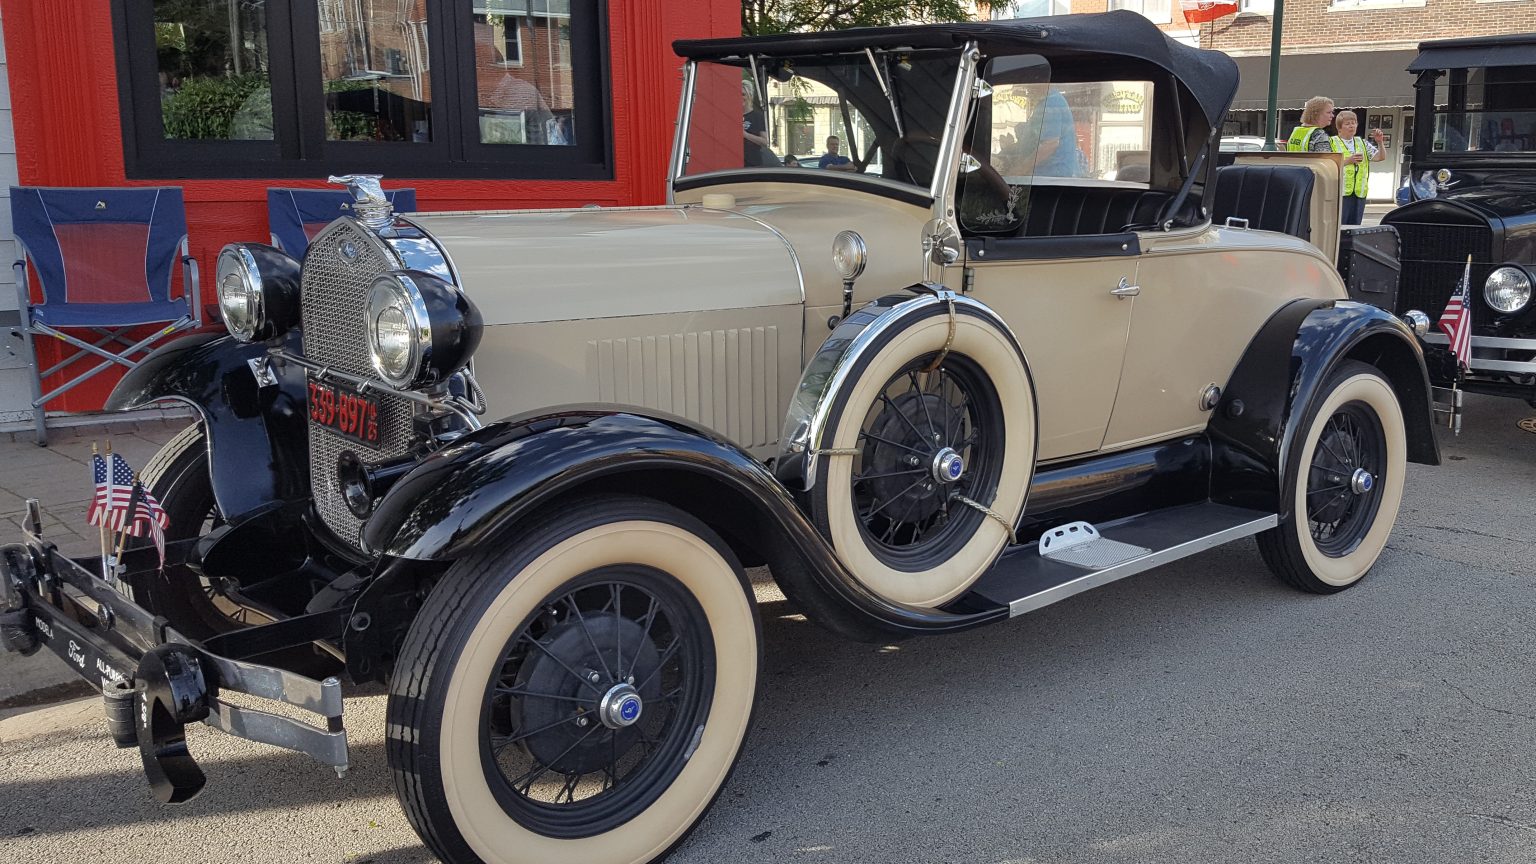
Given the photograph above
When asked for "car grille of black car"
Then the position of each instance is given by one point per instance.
(1434, 258)
(334, 289)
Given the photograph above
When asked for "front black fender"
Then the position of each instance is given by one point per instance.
(466, 495)
(1255, 426)
(258, 448)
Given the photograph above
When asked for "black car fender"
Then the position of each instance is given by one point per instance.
(468, 494)
(1278, 378)
(258, 448)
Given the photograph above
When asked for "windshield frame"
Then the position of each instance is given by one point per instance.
(964, 61)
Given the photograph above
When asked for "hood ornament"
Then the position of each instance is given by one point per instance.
(369, 202)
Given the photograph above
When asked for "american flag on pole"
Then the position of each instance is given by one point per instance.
(118, 493)
(1456, 320)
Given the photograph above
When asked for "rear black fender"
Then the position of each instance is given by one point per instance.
(258, 448)
(1254, 426)
(471, 492)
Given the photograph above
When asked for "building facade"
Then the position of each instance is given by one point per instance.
(474, 103)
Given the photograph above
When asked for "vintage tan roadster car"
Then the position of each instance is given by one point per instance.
(1015, 361)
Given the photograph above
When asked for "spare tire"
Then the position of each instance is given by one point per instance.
(927, 454)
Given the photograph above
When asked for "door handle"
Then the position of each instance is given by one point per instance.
(1126, 289)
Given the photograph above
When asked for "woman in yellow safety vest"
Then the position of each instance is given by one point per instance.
(1358, 154)
(1310, 135)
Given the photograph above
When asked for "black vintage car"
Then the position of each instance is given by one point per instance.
(1471, 190)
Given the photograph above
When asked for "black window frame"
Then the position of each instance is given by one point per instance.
(300, 149)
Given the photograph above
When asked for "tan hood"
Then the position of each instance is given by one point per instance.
(529, 266)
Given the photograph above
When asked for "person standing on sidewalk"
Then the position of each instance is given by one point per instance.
(1358, 153)
(1311, 136)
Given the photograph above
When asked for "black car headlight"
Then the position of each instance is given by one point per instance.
(421, 329)
(258, 289)
(1507, 289)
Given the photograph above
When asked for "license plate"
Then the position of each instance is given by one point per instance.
(344, 411)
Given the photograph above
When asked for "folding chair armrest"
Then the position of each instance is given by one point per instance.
(191, 290)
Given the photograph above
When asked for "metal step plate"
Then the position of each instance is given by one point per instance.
(1098, 554)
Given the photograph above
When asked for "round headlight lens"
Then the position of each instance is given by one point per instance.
(239, 286)
(397, 331)
(1508, 289)
(849, 255)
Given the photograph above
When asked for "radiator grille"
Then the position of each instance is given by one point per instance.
(1434, 258)
(334, 290)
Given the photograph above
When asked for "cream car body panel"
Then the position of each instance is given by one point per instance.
(732, 371)
(517, 265)
(1195, 316)
(1073, 332)
(809, 216)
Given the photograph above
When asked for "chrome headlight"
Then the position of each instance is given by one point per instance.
(421, 329)
(849, 255)
(258, 288)
(1508, 289)
(1417, 321)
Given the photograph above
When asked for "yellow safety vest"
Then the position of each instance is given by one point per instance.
(1358, 176)
(1299, 136)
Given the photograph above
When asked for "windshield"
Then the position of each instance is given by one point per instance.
(1486, 110)
(839, 113)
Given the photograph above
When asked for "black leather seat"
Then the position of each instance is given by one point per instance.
(1270, 197)
(1062, 211)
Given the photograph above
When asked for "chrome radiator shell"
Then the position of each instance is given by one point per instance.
(342, 262)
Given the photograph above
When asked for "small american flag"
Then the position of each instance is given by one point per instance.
(1456, 320)
(117, 492)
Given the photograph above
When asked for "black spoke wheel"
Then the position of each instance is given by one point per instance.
(1344, 482)
(929, 448)
(931, 440)
(595, 701)
(578, 691)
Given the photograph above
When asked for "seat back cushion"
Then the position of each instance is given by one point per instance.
(1270, 197)
(1061, 211)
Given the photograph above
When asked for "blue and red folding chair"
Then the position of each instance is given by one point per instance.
(297, 215)
(102, 261)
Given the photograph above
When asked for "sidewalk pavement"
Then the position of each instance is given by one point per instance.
(59, 476)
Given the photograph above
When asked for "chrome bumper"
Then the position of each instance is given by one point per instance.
(1493, 344)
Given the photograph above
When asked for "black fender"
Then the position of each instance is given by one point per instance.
(465, 495)
(1255, 424)
(258, 447)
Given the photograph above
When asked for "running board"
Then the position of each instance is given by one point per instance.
(1024, 580)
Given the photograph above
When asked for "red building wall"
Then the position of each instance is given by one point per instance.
(64, 95)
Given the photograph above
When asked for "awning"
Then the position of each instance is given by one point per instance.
(1375, 79)
(1515, 50)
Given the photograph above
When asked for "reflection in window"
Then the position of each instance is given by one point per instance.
(523, 79)
(1486, 110)
(375, 69)
(213, 69)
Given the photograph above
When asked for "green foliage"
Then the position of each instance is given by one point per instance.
(767, 17)
(204, 108)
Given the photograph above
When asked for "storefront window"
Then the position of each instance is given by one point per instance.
(419, 88)
(523, 81)
(375, 70)
(213, 69)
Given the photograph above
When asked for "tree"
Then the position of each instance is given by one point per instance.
(767, 17)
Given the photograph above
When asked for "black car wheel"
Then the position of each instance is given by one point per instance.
(934, 448)
(579, 692)
(1346, 471)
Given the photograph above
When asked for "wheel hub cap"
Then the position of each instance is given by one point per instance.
(621, 706)
(1361, 481)
(948, 466)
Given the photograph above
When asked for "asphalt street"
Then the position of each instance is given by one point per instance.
(1202, 712)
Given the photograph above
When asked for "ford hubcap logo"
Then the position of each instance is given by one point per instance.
(349, 250)
(948, 466)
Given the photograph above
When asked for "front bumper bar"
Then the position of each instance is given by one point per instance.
(154, 680)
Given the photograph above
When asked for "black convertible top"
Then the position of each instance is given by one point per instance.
(1476, 52)
(1105, 41)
